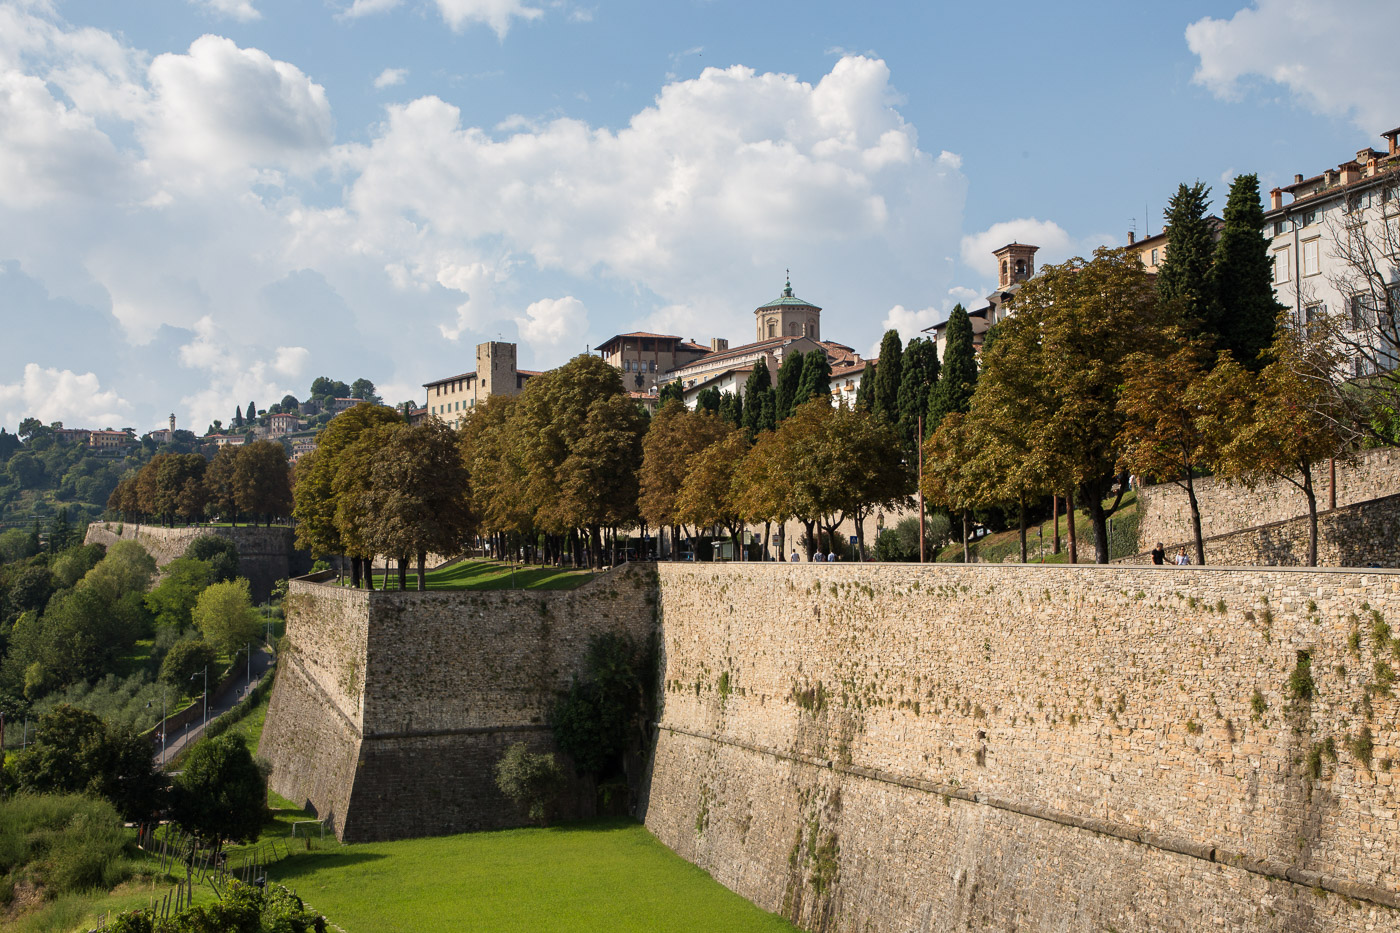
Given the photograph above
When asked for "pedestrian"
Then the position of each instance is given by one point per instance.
(831, 557)
(1159, 554)
(1182, 558)
(818, 558)
(793, 558)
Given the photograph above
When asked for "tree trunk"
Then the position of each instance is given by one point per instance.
(1055, 510)
(1073, 534)
(422, 560)
(860, 536)
(767, 529)
(1195, 519)
(1022, 514)
(811, 544)
(403, 573)
(1311, 493)
(354, 571)
(966, 555)
(1099, 519)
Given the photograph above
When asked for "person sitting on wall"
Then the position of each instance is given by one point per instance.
(1159, 554)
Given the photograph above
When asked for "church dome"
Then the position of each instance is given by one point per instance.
(787, 300)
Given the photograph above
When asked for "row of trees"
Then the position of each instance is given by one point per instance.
(1103, 372)
(249, 481)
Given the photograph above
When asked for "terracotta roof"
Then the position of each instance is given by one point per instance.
(741, 350)
(438, 382)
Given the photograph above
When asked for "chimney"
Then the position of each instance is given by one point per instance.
(1275, 199)
(1297, 179)
(1350, 173)
(1132, 237)
(717, 344)
(1390, 139)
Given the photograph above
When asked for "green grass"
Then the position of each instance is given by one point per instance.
(492, 575)
(606, 876)
(995, 548)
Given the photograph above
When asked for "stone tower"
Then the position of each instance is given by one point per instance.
(1015, 264)
(788, 316)
(495, 370)
(172, 423)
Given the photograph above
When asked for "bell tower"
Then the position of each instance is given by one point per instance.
(1015, 264)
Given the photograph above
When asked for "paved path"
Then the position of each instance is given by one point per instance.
(221, 703)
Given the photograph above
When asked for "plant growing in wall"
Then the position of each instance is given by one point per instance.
(602, 716)
(532, 781)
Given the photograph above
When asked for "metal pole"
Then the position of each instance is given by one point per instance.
(922, 557)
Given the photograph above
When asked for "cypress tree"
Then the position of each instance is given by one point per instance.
(816, 377)
(768, 416)
(918, 380)
(250, 413)
(756, 389)
(671, 390)
(731, 409)
(789, 379)
(237, 417)
(707, 400)
(1183, 279)
(885, 402)
(1243, 278)
(866, 390)
(957, 377)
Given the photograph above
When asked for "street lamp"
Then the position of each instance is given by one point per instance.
(206, 693)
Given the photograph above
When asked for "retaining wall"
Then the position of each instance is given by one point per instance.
(1228, 507)
(265, 555)
(392, 709)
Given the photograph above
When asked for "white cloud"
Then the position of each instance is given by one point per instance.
(241, 10)
(554, 323)
(290, 361)
(367, 7)
(48, 150)
(390, 77)
(1055, 244)
(226, 109)
(1335, 61)
(459, 14)
(910, 322)
(61, 395)
(233, 374)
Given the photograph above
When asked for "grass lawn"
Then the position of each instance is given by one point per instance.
(493, 575)
(605, 876)
(995, 548)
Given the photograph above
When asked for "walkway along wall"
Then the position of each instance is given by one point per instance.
(904, 747)
(391, 710)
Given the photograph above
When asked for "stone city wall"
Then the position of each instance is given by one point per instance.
(1032, 747)
(265, 555)
(392, 709)
(1366, 534)
(1227, 507)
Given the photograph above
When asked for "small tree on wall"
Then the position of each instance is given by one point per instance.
(531, 780)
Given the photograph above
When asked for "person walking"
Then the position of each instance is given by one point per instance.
(1182, 558)
(1159, 554)
(794, 557)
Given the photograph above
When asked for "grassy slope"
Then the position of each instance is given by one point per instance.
(494, 575)
(607, 876)
(995, 548)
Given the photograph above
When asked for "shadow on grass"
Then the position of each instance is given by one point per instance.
(300, 864)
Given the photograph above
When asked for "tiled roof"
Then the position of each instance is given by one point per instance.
(438, 382)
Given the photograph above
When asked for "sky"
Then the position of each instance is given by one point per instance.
(205, 203)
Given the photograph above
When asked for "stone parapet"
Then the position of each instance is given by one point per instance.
(265, 554)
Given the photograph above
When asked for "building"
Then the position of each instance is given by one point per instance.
(1334, 247)
(302, 444)
(71, 435)
(1152, 250)
(788, 316)
(111, 440)
(282, 423)
(227, 440)
(1015, 264)
(164, 435)
(451, 399)
(336, 405)
(642, 356)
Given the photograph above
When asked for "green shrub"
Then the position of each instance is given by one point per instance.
(1300, 682)
(532, 781)
(64, 842)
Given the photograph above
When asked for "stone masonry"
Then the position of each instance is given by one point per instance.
(907, 747)
(392, 709)
(1227, 507)
(1366, 534)
(265, 555)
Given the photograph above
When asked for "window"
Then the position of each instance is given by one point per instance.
(1313, 314)
(1310, 256)
(1360, 313)
(1154, 258)
(1280, 227)
(1283, 264)
(1310, 218)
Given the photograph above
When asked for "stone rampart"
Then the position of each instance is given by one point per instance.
(1228, 507)
(1032, 747)
(392, 709)
(265, 555)
(1366, 534)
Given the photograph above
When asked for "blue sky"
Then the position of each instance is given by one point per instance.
(204, 202)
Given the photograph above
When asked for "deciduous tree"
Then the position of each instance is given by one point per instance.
(224, 615)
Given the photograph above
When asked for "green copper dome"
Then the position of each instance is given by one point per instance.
(787, 299)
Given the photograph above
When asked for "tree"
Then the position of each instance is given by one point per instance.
(532, 781)
(864, 466)
(707, 496)
(290, 404)
(237, 417)
(603, 714)
(252, 413)
(60, 532)
(957, 377)
(816, 378)
(364, 389)
(789, 381)
(494, 466)
(172, 600)
(184, 660)
(1184, 277)
(221, 794)
(708, 400)
(262, 481)
(127, 569)
(600, 474)
(919, 377)
(670, 391)
(417, 500)
(1281, 422)
(758, 392)
(323, 387)
(220, 485)
(865, 392)
(731, 409)
(1166, 429)
(676, 436)
(1241, 279)
(885, 400)
(74, 751)
(949, 476)
(220, 553)
(224, 615)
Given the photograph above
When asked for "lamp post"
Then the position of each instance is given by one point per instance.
(206, 693)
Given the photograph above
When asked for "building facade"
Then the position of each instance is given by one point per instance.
(496, 373)
(1015, 264)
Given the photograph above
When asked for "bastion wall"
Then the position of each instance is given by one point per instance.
(265, 555)
(910, 747)
(392, 709)
(1227, 506)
